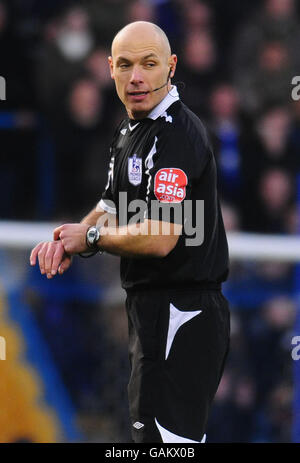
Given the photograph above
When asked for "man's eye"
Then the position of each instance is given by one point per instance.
(124, 66)
(150, 65)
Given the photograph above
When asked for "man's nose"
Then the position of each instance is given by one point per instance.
(136, 76)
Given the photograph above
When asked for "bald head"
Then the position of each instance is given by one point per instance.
(141, 31)
(142, 66)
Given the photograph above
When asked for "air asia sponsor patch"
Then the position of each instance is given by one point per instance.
(170, 185)
(135, 170)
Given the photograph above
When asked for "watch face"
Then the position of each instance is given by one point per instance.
(92, 235)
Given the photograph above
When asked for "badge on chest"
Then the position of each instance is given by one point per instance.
(135, 170)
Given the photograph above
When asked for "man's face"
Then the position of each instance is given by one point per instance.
(139, 64)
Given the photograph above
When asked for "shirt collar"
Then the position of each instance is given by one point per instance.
(169, 99)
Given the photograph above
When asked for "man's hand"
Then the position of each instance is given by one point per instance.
(52, 258)
(73, 237)
(56, 256)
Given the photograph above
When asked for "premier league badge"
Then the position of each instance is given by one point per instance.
(135, 170)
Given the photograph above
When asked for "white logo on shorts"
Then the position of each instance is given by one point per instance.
(138, 425)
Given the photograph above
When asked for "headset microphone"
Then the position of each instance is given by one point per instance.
(158, 88)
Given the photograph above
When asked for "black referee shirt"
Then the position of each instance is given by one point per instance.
(165, 161)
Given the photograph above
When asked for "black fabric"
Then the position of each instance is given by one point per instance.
(178, 143)
(176, 391)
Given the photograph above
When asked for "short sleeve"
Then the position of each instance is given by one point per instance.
(171, 166)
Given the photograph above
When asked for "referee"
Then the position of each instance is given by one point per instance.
(174, 253)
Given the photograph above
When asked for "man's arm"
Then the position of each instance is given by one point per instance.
(93, 216)
(149, 239)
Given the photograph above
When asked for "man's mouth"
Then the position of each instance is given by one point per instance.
(138, 93)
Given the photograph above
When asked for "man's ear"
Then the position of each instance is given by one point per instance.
(111, 67)
(172, 64)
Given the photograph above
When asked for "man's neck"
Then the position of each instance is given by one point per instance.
(137, 116)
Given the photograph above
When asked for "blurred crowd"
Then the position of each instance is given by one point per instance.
(236, 61)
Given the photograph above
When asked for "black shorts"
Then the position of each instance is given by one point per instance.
(178, 343)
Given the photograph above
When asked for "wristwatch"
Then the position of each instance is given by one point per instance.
(92, 238)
